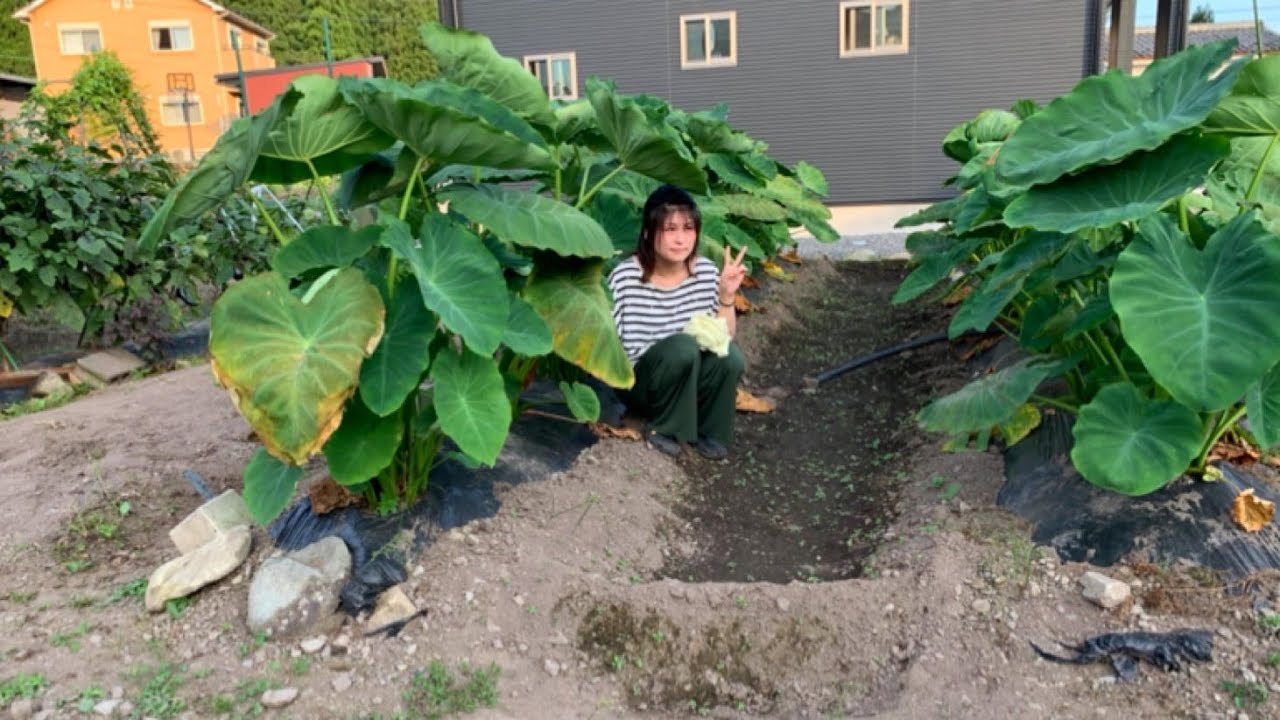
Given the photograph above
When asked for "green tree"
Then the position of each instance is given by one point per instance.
(15, 42)
(388, 28)
(1202, 14)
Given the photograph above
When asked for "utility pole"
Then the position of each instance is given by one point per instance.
(185, 82)
(328, 44)
(244, 92)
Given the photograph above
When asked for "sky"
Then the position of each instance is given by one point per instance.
(1223, 11)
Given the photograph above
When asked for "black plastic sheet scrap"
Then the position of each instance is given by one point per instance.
(1188, 519)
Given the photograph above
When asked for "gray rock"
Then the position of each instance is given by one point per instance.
(982, 606)
(342, 682)
(207, 564)
(1104, 591)
(107, 708)
(551, 666)
(295, 595)
(313, 645)
(278, 698)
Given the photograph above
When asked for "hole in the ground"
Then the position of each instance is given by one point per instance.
(810, 489)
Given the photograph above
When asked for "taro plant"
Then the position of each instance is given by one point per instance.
(1125, 237)
(463, 244)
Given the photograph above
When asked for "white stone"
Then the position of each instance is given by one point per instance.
(342, 682)
(218, 515)
(783, 604)
(982, 606)
(551, 666)
(278, 698)
(863, 255)
(313, 645)
(1104, 591)
(207, 564)
(393, 606)
(107, 708)
(48, 384)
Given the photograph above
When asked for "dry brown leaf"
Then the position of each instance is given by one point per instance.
(327, 496)
(790, 256)
(979, 346)
(603, 430)
(1234, 452)
(746, 402)
(1252, 513)
(958, 295)
(745, 306)
(750, 282)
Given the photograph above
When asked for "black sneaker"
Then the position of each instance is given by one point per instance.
(663, 443)
(711, 449)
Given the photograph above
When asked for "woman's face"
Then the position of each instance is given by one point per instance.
(676, 237)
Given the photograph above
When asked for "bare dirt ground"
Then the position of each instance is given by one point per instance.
(839, 565)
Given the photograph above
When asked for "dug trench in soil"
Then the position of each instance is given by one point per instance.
(809, 489)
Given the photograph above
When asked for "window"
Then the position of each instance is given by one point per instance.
(235, 37)
(709, 40)
(873, 27)
(79, 39)
(171, 36)
(558, 73)
(261, 46)
(179, 108)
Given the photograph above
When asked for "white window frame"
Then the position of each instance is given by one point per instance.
(232, 32)
(572, 57)
(196, 105)
(261, 46)
(709, 62)
(169, 25)
(79, 27)
(903, 49)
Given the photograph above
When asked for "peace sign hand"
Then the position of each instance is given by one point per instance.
(732, 274)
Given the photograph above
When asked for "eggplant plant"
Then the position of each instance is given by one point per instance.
(464, 242)
(1125, 235)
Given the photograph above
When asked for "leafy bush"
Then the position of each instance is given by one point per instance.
(465, 245)
(1125, 237)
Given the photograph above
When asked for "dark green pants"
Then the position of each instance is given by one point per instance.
(687, 391)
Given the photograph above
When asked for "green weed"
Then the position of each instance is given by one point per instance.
(26, 686)
(71, 639)
(132, 589)
(1245, 694)
(439, 692)
(159, 697)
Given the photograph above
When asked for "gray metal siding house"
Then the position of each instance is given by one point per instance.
(872, 122)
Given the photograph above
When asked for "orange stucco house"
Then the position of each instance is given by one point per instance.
(174, 48)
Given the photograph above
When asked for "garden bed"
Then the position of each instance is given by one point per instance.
(607, 590)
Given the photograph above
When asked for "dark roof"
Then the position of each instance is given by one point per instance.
(1144, 38)
(7, 79)
(378, 63)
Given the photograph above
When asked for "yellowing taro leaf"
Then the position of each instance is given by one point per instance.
(1252, 513)
(6, 306)
(603, 430)
(1025, 419)
(790, 256)
(775, 271)
(746, 402)
(750, 282)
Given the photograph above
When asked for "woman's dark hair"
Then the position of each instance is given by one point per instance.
(661, 204)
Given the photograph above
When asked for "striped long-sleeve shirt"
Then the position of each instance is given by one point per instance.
(646, 313)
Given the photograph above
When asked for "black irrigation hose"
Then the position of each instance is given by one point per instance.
(814, 381)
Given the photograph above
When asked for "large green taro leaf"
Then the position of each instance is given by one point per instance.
(424, 119)
(643, 145)
(363, 445)
(1262, 400)
(1236, 184)
(1107, 117)
(395, 368)
(812, 178)
(530, 220)
(1253, 107)
(571, 299)
(750, 206)
(290, 365)
(268, 485)
(942, 211)
(582, 401)
(935, 266)
(459, 278)
(319, 127)
(469, 59)
(713, 135)
(323, 246)
(527, 333)
(1133, 445)
(471, 402)
(1129, 190)
(1206, 324)
(983, 306)
(220, 173)
(986, 402)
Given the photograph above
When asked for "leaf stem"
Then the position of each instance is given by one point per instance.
(1225, 421)
(1182, 216)
(1262, 165)
(1111, 351)
(1052, 402)
(582, 200)
(555, 154)
(324, 196)
(266, 216)
(408, 192)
